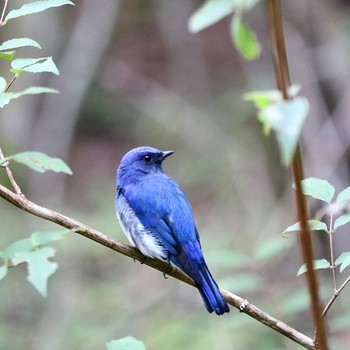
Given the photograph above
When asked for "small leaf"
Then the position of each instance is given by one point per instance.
(286, 119)
(3, 84)
(318, 264)
(341, 220)
(39, 267)
(127, 343)
(41, 162)
(344, 260)
(24, 245)
(344, 195)
(211, 12)
(7, 55)
(314, 225)
(18, 42)
(44, 237)
(35, 7)
(318, 189)
(6, 97)
(35, 65)
(244, 39)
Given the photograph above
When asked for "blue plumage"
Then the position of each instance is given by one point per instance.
(156, 217)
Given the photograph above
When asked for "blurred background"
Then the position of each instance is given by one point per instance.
(132, 75)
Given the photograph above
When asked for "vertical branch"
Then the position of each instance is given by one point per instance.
(280, 62)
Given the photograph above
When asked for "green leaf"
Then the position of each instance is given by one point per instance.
(341, 220)
(314, 225)
(35, 7)
(3, 84)
(35, 65)
(6, 97)
(44, 237)
(244, 39)
(271, 247)
(127, 343)
(22, 246)
(344, 195)
(318, 264)
(265, 98)
(211, 12)
(344, 260)
(286, 119)
(39, 267)
(18, 42)
(41, 162)
(318, 189)
(7, 55)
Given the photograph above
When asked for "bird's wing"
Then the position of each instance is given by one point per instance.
(163, 209)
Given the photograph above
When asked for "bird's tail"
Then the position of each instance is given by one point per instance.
(210, 293)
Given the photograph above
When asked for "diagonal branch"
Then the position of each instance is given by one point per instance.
(241, 304)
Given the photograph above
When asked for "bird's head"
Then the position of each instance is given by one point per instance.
(139, 162)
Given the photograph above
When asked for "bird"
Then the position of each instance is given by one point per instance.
(157, 218)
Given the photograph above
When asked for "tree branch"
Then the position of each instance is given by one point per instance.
(280, 62)
(241, 304)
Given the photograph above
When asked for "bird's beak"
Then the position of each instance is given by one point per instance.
(166, 154)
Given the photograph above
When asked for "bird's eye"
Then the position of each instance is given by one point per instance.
(148, 159)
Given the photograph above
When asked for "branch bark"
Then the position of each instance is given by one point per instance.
(280, 62)
(241, 304)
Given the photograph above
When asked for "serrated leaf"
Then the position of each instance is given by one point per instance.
(39, 267)
(17, 43)
(314, 225)
(341, 220)
(6, 97)
(3, 272)
(21, 246)
(318, 264)
(35, 65)
(127, 343)
(271, 247)
(344, 260)
(211, 12)
(41, 162)
(44, 237)
(35, 7)
(318, 189)
(286, 119)
(344, 195)
(7, 55)
(244, 39)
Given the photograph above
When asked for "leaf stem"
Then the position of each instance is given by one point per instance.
(332, 252)
(5, 164)
(3, 13)
(11, 82)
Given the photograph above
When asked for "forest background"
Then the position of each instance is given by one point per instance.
(132, 74)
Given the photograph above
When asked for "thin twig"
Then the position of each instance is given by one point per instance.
(241, 304)
(332, 253)
(334, 296)
(3, 13)
(9, 174)
(280, 61)
(11, 82)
